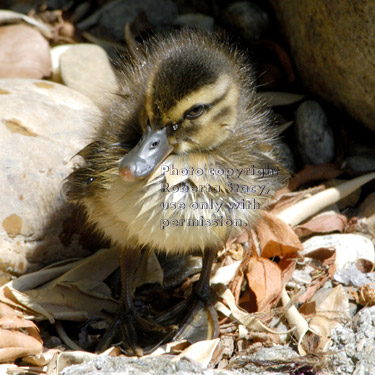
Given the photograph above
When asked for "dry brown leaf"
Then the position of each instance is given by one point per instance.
(327, 258)
(366, 294)
(67, 358)
(16, 344)
(335, 305)
(312, 173)
(324, 223)
(18, 337)
(328, 315)
(276, 238)
(264, 279)
(287, 266)
(24, 303)
(95, 267)
(71, 298)
(35, 279)
(364, 265)
(174, 347)
(24, 53)
(266, 338)
(41, 359)
(236, 284)
(324, 255)
(6, 310)
(234, 312)
(286, 199)
(365, 222)
(201, 352)
(77, 291)
(15, 322)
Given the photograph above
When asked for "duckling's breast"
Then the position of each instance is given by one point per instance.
(174, 215)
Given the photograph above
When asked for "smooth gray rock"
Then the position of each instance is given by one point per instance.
(361, 163)
(314, 135)
(43, 125)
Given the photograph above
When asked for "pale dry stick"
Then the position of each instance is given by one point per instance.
(296, 320)
(304, 209)
(299, 212)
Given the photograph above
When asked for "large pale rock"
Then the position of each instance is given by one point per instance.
(24, 53)
(333, 46)
(86, 68)
(42, 126)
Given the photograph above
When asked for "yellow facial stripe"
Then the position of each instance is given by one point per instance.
(204, 95)
(225, 112)
(213, 128)
(149, 98)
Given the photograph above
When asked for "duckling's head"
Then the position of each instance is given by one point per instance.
(192, 99)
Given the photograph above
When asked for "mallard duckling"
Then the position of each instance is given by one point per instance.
(183, 160)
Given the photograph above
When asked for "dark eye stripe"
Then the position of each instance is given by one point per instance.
(206, 106)
(222, 112)
(220, 98)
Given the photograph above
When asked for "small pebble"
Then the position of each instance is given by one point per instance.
(360, 163)
(314, 135)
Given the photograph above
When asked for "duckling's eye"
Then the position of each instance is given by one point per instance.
(195, 111)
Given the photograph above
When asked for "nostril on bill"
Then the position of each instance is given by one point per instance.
(154, 145)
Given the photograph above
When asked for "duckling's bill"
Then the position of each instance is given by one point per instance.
(149, 152)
